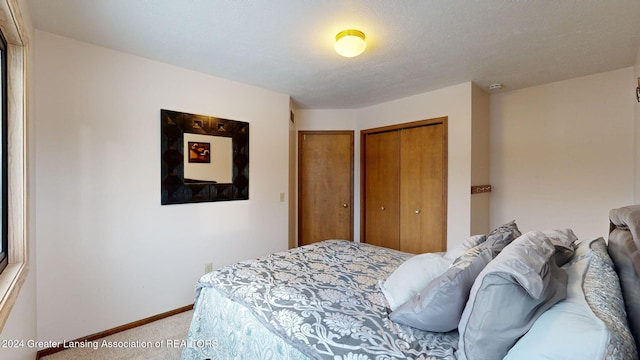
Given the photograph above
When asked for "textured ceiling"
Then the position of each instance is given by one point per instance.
(413, 46)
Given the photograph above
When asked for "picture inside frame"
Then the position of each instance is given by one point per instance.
(199, 152)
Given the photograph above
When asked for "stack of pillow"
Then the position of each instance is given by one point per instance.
(590, 323)
(492, 293)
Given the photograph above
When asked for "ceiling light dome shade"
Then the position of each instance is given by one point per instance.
(350, 43)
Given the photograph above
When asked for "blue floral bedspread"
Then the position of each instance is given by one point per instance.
(321, 301)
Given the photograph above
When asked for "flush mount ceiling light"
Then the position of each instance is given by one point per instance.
(350, 43)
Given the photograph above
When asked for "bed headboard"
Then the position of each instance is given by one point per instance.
(624, 242)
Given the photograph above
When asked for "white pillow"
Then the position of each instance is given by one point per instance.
(412, 276)
(470, 242)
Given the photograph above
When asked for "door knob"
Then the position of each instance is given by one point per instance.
(382, 208)
(345, 205)
(417, 211)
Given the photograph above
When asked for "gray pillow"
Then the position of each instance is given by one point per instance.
(502, 236)
(564, 240)
(512, 291)
(626, 257)
(438, 307)
(628, 217)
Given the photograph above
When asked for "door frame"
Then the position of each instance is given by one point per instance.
(445, 164)
(301, 134)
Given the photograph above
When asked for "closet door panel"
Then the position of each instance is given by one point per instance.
(421, 189)
(382, 189)
(404, 191)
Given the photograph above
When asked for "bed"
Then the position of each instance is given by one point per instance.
(537, 295)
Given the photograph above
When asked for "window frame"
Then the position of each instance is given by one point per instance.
(16, 36)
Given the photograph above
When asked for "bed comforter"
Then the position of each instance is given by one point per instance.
(321, 301)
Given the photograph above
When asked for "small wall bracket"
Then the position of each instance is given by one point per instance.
(479, 189)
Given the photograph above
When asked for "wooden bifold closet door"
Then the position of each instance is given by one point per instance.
(404, 186)
(325, 180)
(382, 205)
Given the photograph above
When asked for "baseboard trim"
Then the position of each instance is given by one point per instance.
(115, 330)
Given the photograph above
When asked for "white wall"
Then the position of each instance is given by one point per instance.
(329, 119)
(480, 138)
(108, 252)
(562, 154)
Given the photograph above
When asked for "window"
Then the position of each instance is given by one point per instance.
(4, 216)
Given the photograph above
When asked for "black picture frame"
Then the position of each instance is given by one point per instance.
(174, 188)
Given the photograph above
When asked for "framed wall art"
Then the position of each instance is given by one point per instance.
(204, 158)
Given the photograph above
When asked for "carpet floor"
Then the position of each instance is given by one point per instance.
(159, 340)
